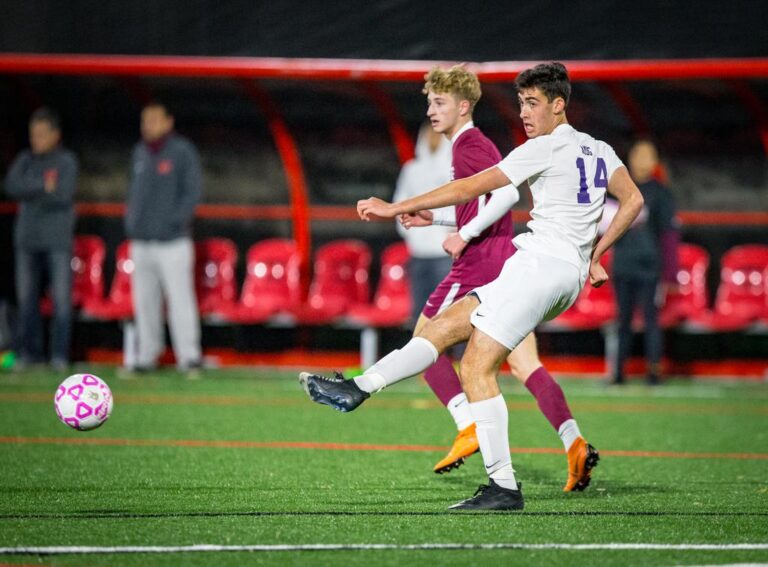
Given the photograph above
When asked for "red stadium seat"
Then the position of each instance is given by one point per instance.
(215, 260)
(340, 282)
(593, 308)
(764, 318)
(118, 305)
(87, 272)
(741, 295)
(391, 305)
(271, 284)
(689, 300)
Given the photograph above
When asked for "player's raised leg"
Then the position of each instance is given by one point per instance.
(582, 457)
(447, 329)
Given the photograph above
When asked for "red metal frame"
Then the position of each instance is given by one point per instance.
(397, 131)
(371, 71)
(294, 175)
(368, 69)
(341, 214)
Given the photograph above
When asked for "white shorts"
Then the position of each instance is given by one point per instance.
(531, 288)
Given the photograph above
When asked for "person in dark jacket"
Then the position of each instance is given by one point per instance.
(43, 180)
(165, 187)
(645, 262)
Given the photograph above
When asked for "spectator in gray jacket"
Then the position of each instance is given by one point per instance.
(165, 187)
(43, 180)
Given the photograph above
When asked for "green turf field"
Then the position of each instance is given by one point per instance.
(242, 458)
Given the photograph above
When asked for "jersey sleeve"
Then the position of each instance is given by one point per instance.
(500, 203)
(612, 161)
(532, 158)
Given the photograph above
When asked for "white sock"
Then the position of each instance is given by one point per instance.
(569, 432)
(414, 358)
(459, 408)
(491, 417)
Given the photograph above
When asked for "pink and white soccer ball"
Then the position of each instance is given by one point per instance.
(83, 401)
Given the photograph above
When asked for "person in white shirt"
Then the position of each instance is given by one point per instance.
(569, 173)
(429, 263)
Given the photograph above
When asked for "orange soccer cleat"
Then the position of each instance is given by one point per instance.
(582, 458)
(463, 446)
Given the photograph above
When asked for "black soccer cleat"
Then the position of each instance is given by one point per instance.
(492, 497)
(337, 392)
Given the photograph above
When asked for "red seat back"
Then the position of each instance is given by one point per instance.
(215, 285)
(272, 274)
(87, 268)
(742, 290)
(120, 290)
(341, 274)
(393, 291)
(690, 297)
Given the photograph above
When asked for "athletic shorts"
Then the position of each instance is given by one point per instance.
(531, 288)
(447, 292)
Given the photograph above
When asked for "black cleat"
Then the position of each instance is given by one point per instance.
(337, 392)
(492, 497)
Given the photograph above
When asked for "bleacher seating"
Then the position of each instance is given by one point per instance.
(215, 284)
(689, 299)
(271, 284)
(340, 282)
(391, 306)
(118, 305)
(741, 295)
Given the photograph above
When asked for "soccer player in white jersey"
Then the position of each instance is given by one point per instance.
(568, 173)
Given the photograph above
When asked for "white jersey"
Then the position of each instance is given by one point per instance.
(568, 172)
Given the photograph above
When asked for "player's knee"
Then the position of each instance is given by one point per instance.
(445, 331)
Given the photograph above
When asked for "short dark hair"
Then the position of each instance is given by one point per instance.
(45, 114)
(158, 104)
(551, 78)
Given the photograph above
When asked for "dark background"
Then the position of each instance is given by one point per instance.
(390, 29)
(710, 141)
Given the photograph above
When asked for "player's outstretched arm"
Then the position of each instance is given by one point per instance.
(621, 186)
(453, 193)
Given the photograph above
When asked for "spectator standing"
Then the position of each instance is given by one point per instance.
(165, 186)
(645, 262)
(429, 263)
(43, 179)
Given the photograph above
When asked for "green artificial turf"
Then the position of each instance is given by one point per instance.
(686, 469)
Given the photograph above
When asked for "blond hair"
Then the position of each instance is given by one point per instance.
(457, 81)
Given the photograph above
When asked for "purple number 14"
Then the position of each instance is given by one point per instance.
(601, 178)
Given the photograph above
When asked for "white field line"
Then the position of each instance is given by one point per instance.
(61, 550)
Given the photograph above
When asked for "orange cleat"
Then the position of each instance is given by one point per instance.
(582, 458)
(463, 446)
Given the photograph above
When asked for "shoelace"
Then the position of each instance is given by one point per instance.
(336, 378)
(480, 489)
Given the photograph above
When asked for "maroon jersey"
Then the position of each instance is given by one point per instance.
(484, 256)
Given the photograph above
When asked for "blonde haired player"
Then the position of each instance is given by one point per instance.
(569, 173)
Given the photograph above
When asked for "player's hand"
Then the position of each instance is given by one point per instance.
(421, 218)
(454, 245)
(374, 207)
(597, 274)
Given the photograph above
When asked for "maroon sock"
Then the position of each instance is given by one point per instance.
(549, 395)
(443, 380)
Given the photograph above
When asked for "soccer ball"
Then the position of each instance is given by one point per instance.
(83, 401)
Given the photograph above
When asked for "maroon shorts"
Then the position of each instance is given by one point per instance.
(447, 292)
